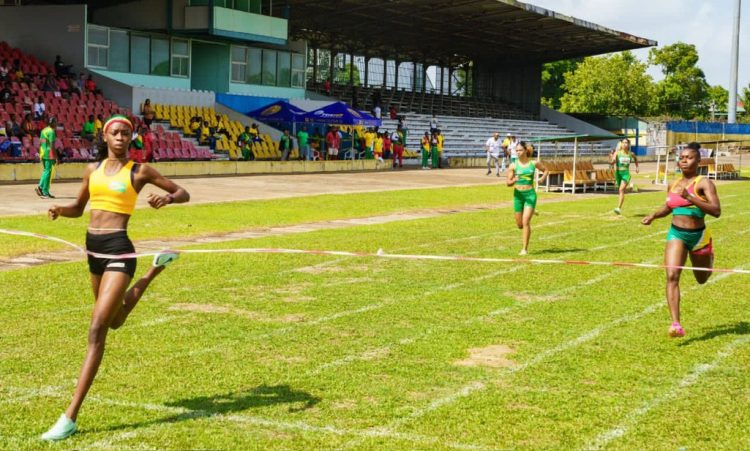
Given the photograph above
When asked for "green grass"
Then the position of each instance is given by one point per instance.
(190, 221)
(311, 352)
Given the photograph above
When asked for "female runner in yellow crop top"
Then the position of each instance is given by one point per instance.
(112, 185)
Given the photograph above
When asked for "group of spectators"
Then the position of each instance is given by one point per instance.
(499, 151)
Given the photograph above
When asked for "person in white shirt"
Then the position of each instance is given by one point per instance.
(39, 109)
(494, 147)
(512, 145)
(377, 111)
(434, 124)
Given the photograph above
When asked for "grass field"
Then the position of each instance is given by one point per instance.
(249, 351)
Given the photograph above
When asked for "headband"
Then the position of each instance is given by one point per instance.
(117, 119)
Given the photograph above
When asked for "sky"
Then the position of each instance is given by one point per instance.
(707, 24)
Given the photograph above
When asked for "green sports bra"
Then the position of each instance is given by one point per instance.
(525, 174)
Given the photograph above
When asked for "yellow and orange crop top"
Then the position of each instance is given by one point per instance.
(114, 193)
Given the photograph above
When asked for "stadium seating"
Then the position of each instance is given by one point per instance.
(72, 113)
(425, 102)
(465, 136)
(179, 117)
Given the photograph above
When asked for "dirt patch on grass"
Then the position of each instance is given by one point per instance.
(223, 310)
(533, 297)
(494, 356)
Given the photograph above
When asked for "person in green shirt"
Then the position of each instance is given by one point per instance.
(285, 145)
(245, 142)
(89, 129)
(48, 156)
(304, 145)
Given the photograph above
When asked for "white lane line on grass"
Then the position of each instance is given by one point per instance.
(631, 419)
(542, 356)
(297, 426)
(25, 394)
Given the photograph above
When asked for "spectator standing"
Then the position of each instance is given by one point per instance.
(369, 143)
(426, 151)
(387, 145)
(440, 140)
(434, 150)
(494, 148)
(433, 124)
(404, 128)
(48, 156)
(398, 147)
(148, 145)
(376, 111)
(81, 82)
(303, 144)
(393, 112)
(333, 142)
(39, 109)
(148, 113)
(285, 145)
(246, 143)
(512, 148)
(89, 129)
(378, 147)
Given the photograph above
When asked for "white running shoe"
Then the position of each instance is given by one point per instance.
(617, 211)
(64, 428)
(165, 258)
(523, 252)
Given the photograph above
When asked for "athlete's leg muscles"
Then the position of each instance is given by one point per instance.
(702, 261)
(675, 254)
(133, 295)
(112, 286)
(528, 212)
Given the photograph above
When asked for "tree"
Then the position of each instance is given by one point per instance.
(616, 84)
(553, 77)
(718, 99)
(745, 99)
(684, 90)
(342, 76)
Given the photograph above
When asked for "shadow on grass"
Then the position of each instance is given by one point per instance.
(741, 328)
(555, 250)
(229, 403)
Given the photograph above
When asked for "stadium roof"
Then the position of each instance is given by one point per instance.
(452, 30)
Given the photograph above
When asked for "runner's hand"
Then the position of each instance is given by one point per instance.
(647, 220)
(157, 201)
(54, 212)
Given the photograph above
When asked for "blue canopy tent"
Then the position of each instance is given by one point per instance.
(281, 111)
(339, 113)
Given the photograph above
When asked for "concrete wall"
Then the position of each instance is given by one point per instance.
(266, 91)
(150, 81)
(145, 14)
(172, 97)
(46, 31)
(25, 172)
(114, 89)
(517, 83)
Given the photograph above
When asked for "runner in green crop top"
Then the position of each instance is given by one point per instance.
(521, 174)
(621, 158)
(689, 200)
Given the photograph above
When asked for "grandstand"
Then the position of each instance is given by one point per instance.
(466, 136)
(199, 58)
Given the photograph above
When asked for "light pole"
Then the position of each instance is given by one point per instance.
(735, 59)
